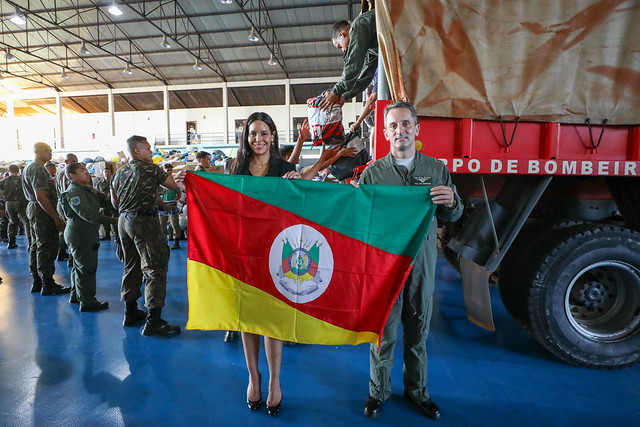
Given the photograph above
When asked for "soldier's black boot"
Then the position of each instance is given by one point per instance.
(155, 326)
(176, 244)
(37, 283)
(62, 255)
(50, 287)
(133, 316)
(12, 243)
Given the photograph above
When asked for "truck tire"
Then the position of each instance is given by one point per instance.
(518, 268)
(584, 301)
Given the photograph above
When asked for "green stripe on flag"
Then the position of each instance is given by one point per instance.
(331, 205)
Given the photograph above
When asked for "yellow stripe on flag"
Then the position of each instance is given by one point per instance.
(218, 301)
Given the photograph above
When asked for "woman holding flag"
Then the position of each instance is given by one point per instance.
(259, 155)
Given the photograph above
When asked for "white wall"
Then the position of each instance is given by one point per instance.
(89, 135)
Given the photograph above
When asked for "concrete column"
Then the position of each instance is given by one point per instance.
(225, 107)
(167, 115)
(60, 124)
(112, 113)
(287, 101)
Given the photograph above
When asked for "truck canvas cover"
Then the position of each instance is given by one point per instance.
(545, 60)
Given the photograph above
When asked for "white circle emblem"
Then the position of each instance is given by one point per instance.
(301, 263)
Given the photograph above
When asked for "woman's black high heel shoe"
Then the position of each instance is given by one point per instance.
(254, 404)
(273, 410)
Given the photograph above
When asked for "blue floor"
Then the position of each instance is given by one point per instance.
(59, 367)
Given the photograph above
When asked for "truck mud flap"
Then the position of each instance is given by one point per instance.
(477, 300)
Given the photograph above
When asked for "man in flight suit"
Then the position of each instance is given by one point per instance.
(81, 210)
(404, 165)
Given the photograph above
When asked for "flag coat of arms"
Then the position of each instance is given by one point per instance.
(302, 261)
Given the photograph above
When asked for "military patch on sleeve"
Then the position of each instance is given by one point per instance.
(75, 201)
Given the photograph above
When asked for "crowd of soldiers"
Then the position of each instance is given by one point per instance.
(60, 211)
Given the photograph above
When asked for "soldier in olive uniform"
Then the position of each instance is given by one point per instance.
(80, 207)
(62, 182)
(103, 186)
(40, 191)
(134, 192)
(406, 166)
(204, 161)
(16, 205)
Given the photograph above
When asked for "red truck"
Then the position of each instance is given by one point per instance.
(536, 113)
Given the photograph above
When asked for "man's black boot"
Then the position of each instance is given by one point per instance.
(155, 326)
(37, 283)
(12, 243)
(50, 287)
(133, 316)
(176, 244)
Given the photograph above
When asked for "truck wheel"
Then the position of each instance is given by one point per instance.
(518, 268)
(584, 302)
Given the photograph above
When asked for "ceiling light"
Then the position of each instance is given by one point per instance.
(63, 74)
(18, 18)
(164, 43)
(197, 66)
(127, 70)
(226, 1)
(7, 55)
(271, 60)
(114, 9)
(252, 35)
(83, 49)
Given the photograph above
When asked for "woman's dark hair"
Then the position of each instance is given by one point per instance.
(244, 150)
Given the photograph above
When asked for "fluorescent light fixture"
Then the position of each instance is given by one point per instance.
(17, 18)
(114, 9)
(7, 55)
(226, 1)
(164, 43)
(127, 70)
(271, 60)
(83, 49)
(197, 66)
(252, 35)
(63, 74)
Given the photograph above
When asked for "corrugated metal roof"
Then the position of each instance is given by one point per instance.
(216, 34)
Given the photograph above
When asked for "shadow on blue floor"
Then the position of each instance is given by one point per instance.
(59, 367)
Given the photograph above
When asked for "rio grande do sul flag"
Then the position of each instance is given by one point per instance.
(296, 260)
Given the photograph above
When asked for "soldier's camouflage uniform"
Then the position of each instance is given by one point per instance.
(44, 234)
(80, 207)
(104, 187)
(144, 245)
(16, 206)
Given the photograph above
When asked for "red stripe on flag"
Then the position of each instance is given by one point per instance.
(365, 280)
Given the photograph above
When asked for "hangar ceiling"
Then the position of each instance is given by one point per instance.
(80, 46)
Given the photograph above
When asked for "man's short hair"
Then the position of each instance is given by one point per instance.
(201, 155)
(72, 168)
(337, 28)
(401, 104)
(71, 158)
(50, 163)
(133, 141)
(286, 150)
(14, 168)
